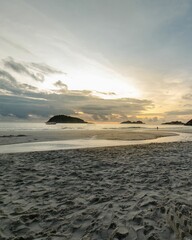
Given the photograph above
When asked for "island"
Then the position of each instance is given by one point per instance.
(64, 119)
(189, 123)
(130, 122)
(173, 123)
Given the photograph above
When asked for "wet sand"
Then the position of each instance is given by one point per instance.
(56, 135)
(139, 192)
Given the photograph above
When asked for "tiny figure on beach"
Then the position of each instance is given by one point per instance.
(157, 128)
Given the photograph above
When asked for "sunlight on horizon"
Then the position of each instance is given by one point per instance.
(104, 86)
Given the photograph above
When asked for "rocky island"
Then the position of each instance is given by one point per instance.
(130, 122)
(64, 119)
(189, 123)
(173, 123)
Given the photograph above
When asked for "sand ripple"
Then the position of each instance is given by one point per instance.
(134, 192)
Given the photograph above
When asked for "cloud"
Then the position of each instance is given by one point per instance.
(28, 87)
(180, 112)
(153, 119)
(24, 100)
(107, 93)
(21, 107)
(22, 69)
(45, 69)
(44, 105)
(7, 75)
(34, 70)
(187, 96)
(10, 86)
(146, 45)
(8, 83)
(61, 85)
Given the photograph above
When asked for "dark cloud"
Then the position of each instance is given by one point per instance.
(7, 76)
(21, 107)
(22, 69)
(9, 84)
(25, 100)
(28, 87)
(108, 107)
(61, 85)
(44, 105)
(107, 93)
(36, 71)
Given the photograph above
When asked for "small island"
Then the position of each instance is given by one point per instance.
(173, 123)
(64, 119)
(189, 123)
(130, 122)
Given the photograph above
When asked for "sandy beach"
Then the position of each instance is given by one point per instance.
(95, 120)
(130, 192)
(56, 135)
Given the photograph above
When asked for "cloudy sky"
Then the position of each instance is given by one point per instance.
(101, 60)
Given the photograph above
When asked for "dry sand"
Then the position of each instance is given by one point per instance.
(50, 135)
(134, 192)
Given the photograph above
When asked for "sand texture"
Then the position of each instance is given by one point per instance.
(139, 192)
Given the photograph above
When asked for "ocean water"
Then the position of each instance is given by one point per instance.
(184, 134)
(31, 126)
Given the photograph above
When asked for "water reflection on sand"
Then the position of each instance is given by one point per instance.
(86, 143)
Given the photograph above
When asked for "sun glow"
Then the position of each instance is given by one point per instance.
(106, 87)
(104, 84)
(48, 85)
(102, 81)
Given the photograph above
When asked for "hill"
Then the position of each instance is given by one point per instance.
(189, 123)
(130, 122)
(174, 123)
(64, 119)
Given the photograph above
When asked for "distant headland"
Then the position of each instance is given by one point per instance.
(174, 123)
(64, 119)
(189, 123)
(130, 122)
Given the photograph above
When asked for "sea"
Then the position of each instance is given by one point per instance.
(184, 133)
(33, 126)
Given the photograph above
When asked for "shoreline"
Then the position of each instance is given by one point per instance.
(118, 139)
(49, 135)
(122, 192)
(92, 139)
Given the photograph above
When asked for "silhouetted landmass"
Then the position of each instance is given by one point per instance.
(189, 123)
(174, 123)
(9, 136)
(130, 122)
(64, 119)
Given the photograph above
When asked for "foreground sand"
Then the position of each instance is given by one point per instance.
(134, 192)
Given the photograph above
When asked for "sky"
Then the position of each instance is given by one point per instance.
(100, 60)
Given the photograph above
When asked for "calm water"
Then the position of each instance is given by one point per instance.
(12, 128)
(19, 126)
